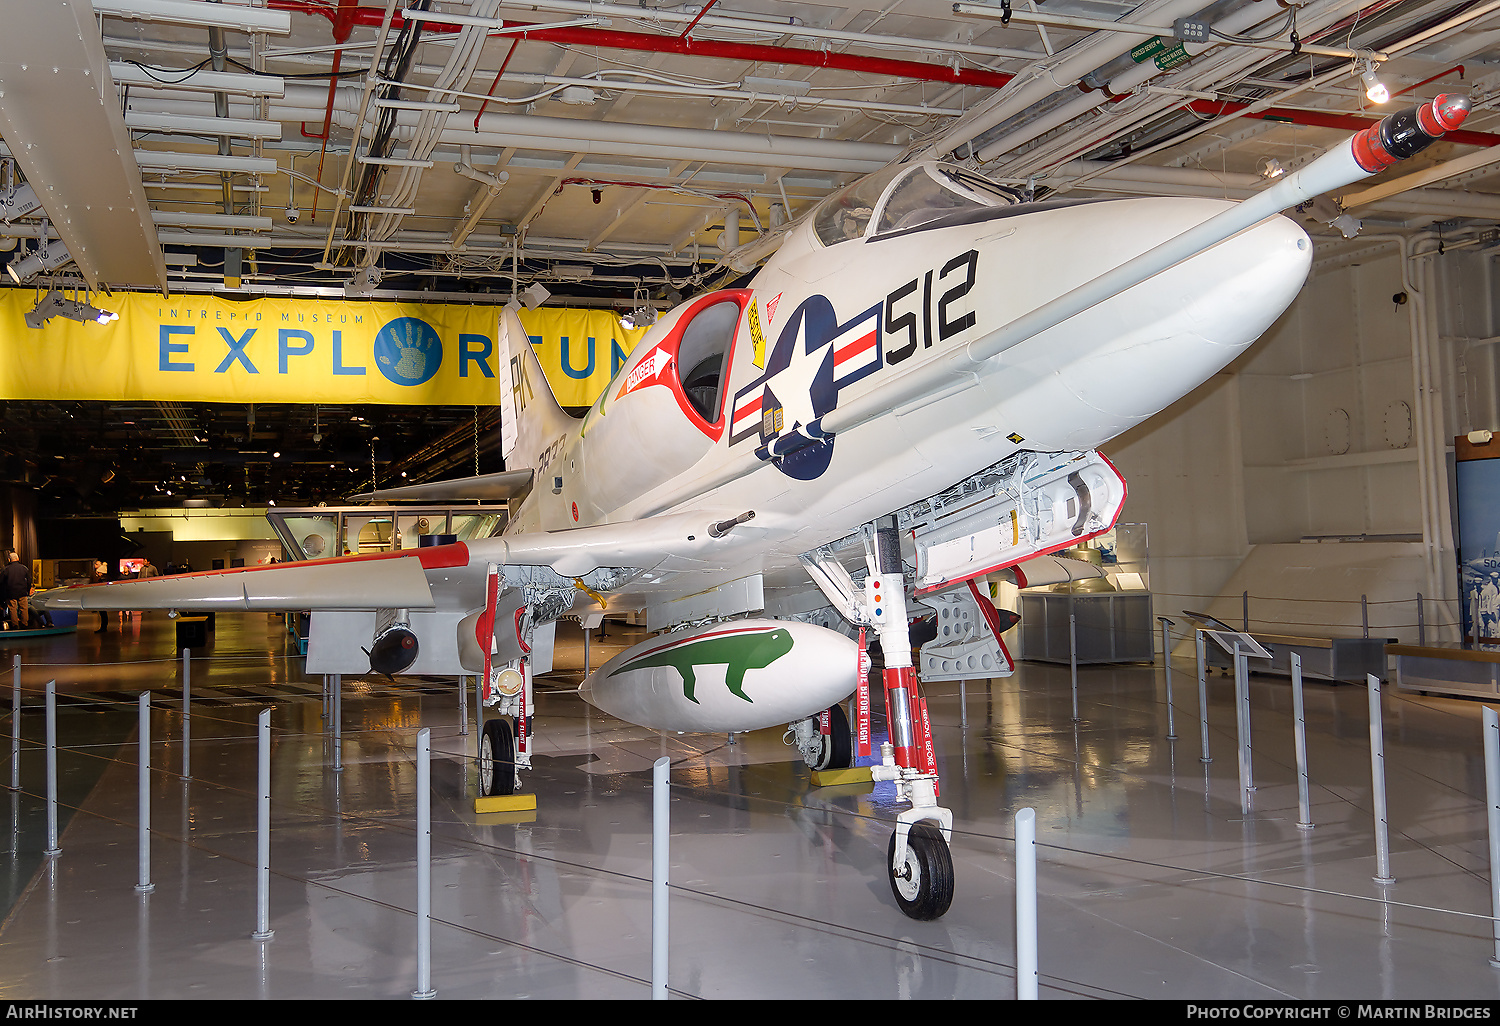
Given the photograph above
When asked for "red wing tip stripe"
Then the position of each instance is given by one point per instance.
(432, 557)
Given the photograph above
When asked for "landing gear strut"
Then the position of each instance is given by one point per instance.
(918, 858)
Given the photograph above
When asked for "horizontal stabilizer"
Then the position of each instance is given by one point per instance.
(488, 487)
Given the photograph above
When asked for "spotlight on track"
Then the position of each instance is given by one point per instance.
(55, 304)
(39, 261)
(364, 282)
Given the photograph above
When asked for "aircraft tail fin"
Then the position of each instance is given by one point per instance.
(530, 418)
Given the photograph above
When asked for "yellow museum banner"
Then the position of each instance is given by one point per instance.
(205, 349)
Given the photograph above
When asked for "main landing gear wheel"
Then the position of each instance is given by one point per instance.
(837, 750)
(923, 886)
(497, 759)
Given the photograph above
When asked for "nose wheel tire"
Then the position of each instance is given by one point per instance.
(497, 759)
(837, 750)
(923, 886)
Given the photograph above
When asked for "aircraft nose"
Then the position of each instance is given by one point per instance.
(1139, 350)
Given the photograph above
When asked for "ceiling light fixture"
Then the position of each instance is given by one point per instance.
(534, 295)
(45, 258)
(55, 304)
(1375, 90)
(364, 282)
(1273, 170)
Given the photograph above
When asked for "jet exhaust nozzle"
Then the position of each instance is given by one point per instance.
(1409, 131)
(393, 651)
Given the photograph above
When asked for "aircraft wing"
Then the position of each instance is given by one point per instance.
(391, 580)
(504, 485)
(437, 576)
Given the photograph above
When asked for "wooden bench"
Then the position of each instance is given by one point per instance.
(1448, 668)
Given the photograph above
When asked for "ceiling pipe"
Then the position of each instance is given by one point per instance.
(645, 42)
(1122, 85)
(1036, 84)
(534, 131)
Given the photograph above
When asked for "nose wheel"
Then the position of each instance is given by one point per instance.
(923, 883)
(497, 759)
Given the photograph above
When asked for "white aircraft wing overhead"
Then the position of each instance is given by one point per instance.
(504, 485)
(357, 582)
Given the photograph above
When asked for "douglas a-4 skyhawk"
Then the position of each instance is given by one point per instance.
(926, 360)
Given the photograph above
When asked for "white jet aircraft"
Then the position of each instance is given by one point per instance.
(927, 362)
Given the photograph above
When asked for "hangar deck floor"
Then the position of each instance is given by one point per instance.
(1153, 884)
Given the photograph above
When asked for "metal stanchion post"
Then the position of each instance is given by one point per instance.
(263, 929)
(52, 848)
(1304, 806)
(1073, 659)
(963, 703)
(1364, 614)
(1377, 785)
(1242, 723)
(1203, 695)
(660, 844)
(1421, 621)
(424, 865)
(478, 718)
(1492, 798)
(1026, 954)
(187, 686)
(1166, 662)
(143, 791)
(463, 705)
(338, 723)
(15, 725)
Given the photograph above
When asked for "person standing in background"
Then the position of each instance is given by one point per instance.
(15, 588)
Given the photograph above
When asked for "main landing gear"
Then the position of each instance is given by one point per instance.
(830, 751)
(497, 758)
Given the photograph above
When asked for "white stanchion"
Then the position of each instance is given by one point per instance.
(143, 793)
(1492, 799)
(263, 929)
(1242, 724)
(1377, 785)
(52, 848)
(1299, 737)
(1166, 662)
(424, 866)
(1026, 948)
(661, 815)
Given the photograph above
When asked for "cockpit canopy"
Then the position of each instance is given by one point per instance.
(905, 197)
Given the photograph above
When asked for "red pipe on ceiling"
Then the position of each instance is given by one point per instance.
(686, 46)
(1328, 119)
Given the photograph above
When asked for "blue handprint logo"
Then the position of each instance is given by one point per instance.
(408, 351)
